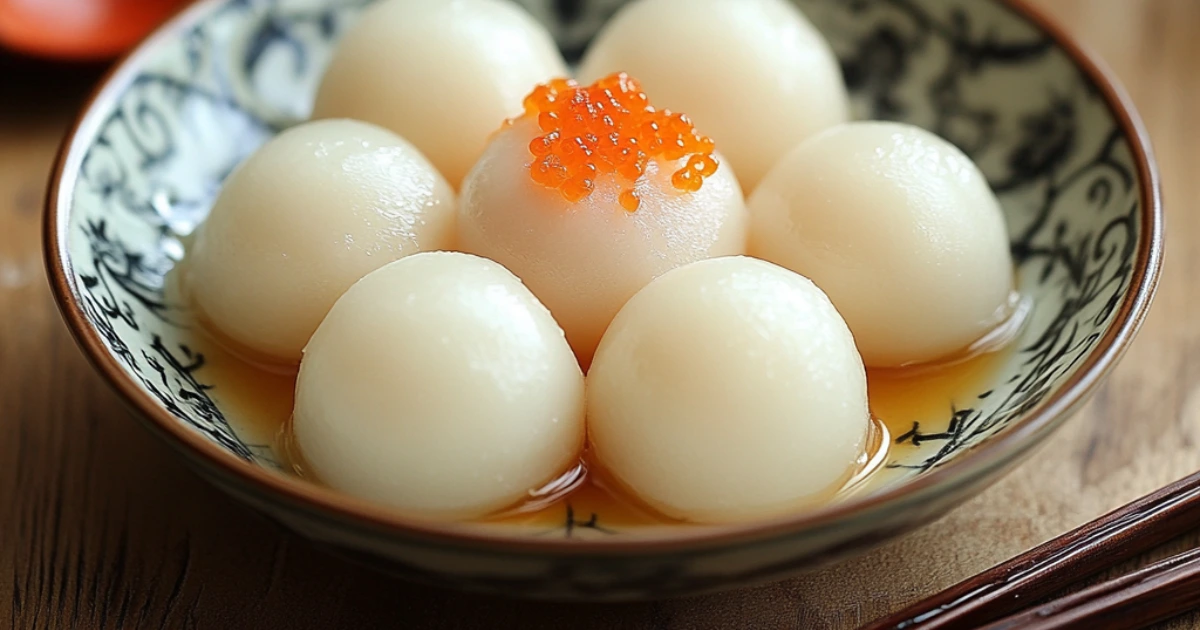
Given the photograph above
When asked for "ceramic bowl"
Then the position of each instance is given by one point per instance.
(1054, 134)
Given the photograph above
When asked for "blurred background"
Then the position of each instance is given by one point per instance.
(79, 30)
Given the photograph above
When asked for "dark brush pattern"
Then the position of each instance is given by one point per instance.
(126, 168)
(121, 280)
(572, 524)
(1060, 164)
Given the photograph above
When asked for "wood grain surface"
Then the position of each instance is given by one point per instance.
(101, 527)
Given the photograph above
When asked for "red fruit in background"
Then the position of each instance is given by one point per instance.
(80, 29)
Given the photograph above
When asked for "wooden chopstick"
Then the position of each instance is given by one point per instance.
(1138, 600)
(1036, 574)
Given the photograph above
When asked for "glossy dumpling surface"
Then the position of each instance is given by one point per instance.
(754, 74)
(902, 232)
(438, 385)
(584, 259)
(300, 220)
(442, 73)
(727, 390)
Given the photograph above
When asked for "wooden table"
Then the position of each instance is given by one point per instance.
(101, 527)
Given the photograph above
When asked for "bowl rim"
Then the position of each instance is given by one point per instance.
(341, 509)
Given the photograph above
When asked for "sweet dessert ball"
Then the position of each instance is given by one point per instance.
(899, 228)
(440, 386)
(727, 390)
(442, 74)
(754, 74)
(591, 194)
(304, 217)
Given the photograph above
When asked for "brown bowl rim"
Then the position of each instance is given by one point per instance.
(339, 508)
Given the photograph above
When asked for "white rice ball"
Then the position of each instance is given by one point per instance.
(900, 228)
(304, 217)
(727, 390)
(444, 74)
(438, 385)
(584, 260)
(753, 74)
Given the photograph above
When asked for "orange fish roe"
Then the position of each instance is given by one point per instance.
(610, 127)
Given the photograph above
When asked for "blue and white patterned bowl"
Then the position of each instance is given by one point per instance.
(1057, 139)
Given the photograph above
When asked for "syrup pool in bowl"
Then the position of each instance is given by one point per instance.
(258, 398)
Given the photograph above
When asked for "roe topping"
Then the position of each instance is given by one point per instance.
(610, 127)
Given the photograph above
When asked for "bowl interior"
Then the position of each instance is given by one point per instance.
(151, 152)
